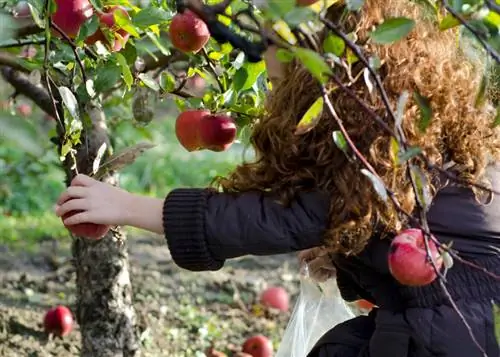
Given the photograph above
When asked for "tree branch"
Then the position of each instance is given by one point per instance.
(7, 59)
(22, 84)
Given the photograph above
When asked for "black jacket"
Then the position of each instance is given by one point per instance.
(204, 228)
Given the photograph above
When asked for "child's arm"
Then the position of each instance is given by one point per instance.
(203, 228)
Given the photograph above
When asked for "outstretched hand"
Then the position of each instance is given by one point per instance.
(319, 263)
(95, 201)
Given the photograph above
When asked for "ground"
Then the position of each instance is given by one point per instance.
(179, 312)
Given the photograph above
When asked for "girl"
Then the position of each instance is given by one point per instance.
(302, 192)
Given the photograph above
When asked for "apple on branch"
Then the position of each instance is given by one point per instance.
(199, 130)
(118, 36)
(70, 16)
(408, 260)
(188, 32)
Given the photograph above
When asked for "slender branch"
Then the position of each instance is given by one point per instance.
(493, 6)
(74, 49)
(212, 68)
(158, 59)
(20, 43)
(468, 26)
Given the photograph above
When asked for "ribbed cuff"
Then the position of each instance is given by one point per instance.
(184, 223)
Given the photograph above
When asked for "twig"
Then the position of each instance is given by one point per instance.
(20, 43)
(492, 5)
(74, 49)
(212, 69)
(466, 24)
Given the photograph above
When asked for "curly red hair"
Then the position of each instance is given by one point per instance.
(427, 60)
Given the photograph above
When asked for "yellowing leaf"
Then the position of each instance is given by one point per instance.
(311, 117)
(284, 31)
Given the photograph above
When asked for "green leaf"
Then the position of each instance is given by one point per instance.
(70, 102)
(394, 151)
(392, 30)
(409, 154)
(496, 122)
(448, 22)
(403, 99)
(339, 140)
(377, 183)
(424, 105)
(150, 16)
(279, 8)
(354, 5)
(8, 27)
(496, 318)
(126, 73)
(298, 16)
(149, 81)
(423, 192)
(125, 22)
(311, 118)
(284, 56)
(247, 75)
(315, 63)
(334, 44)
(107, 76)
(480, 97)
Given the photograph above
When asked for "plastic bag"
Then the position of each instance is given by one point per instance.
(319, 308)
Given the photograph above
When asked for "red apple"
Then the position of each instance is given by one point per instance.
(408, 262)
(71, 15)
(275, 297)
(58, 321)
(187, 129)
(306, 2)
(87, 230)
(188, 32)
(107, 20)
(217, 132)
(22, 10)
(24, 109)
(258, 346)
(364, 304)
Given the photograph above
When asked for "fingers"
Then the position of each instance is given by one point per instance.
(72, 205)
(81, 217)
(82, 180)
(72, 192)
(309, 254)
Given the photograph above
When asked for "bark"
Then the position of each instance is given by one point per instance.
(105, 311)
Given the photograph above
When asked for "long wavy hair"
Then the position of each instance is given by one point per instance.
(428, 61)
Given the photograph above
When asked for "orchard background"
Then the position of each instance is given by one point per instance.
(89, 89)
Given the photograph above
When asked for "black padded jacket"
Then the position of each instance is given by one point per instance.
(204, 228)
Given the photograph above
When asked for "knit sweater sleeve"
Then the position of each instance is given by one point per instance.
(203, 228)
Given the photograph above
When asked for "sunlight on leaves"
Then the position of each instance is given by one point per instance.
(311, 117)
(339, 140)
(377, 183)
(392, 30)
(315, 63)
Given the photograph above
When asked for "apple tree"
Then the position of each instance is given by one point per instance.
(90, 63)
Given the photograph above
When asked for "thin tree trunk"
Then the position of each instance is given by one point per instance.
(104, 292)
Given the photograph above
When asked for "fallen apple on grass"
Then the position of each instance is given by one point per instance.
(258, 346)
(275, 297)
(188, 32)
(199, 130)
(58, 321)
(408, 261)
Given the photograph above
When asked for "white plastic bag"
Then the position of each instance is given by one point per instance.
(319, 308)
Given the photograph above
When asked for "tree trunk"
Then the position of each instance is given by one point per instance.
(104, 292)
